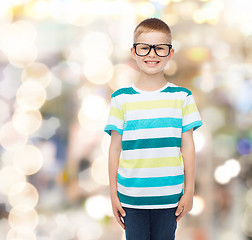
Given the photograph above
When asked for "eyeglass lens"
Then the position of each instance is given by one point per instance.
(161, 50)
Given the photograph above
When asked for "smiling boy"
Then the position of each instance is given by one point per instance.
(151, 154)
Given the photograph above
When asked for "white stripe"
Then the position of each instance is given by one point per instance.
(114, 103)
(192, 117)
(154, 113)
(151, 153)
(145, 97)
(150, 191)
(115, 121)
(151, 206)
(188, 100)
(151, 172)
(152, 133)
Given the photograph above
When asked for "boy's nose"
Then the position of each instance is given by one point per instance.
(152, 52)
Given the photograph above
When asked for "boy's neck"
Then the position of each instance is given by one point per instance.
(148, 82)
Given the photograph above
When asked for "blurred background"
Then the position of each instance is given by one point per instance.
(60, 61)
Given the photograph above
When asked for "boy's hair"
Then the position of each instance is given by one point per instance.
(152, 25)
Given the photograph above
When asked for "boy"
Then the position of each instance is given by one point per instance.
(151, 154)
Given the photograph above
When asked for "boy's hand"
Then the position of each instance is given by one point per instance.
(185, 205)
(118, 211)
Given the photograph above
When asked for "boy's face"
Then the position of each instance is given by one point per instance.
(152, 63)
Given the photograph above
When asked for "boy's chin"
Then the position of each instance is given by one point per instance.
(153, 72)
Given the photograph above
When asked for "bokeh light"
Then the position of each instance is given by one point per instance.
(233, 167)
(6, 14)
(224, 173)
(105, 142)
(21, 233)
(31, 95)
(98, 70)
(9, 176)
(99, 171)
(23, 217)
(17, 43)
(26, 122)
(244, 146)
(96, 44)
(28, 159)
(145, 9)
(171, 68)
(23, 194)
(199, 141)
(64, 229)
(248, 197)
(37, 72)
(197, 54)
(54, 89)
(38, 9)
(198, 205)
(92, 113)
(91, 231)
(97, 206)
(123, 75)
(93, 106)
(216, 116)
(246, 223)
(5, 111)
(10, 138)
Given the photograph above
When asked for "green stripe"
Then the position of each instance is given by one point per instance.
(151, 162)
(151, 143)
(158, 200)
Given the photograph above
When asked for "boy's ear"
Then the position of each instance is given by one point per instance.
(133, 53)
(171, 54)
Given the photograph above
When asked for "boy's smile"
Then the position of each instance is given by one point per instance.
(152, 63)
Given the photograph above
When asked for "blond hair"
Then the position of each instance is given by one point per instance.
(152, 25)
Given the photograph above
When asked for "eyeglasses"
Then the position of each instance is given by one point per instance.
(143, 49)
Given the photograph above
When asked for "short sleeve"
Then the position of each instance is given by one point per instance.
(116, 117)
(190, 113)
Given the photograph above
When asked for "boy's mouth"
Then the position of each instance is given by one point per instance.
(151, 62)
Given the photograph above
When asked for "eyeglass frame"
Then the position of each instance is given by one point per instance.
(154, 47)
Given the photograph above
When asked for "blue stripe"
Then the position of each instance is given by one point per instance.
(130, 90)
(157, 200)
(110, 127)
(150, 181)
(151, 143)
(193, 125)
(153, 123)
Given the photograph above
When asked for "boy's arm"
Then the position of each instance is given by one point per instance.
(188, 152)
(114, 156)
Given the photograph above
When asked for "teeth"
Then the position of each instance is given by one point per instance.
(151, 62)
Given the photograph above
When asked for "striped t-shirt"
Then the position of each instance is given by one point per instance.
(151, 170)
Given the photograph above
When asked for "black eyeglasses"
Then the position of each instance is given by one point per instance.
(143, 49)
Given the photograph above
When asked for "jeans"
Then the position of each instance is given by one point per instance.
(150, 224)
